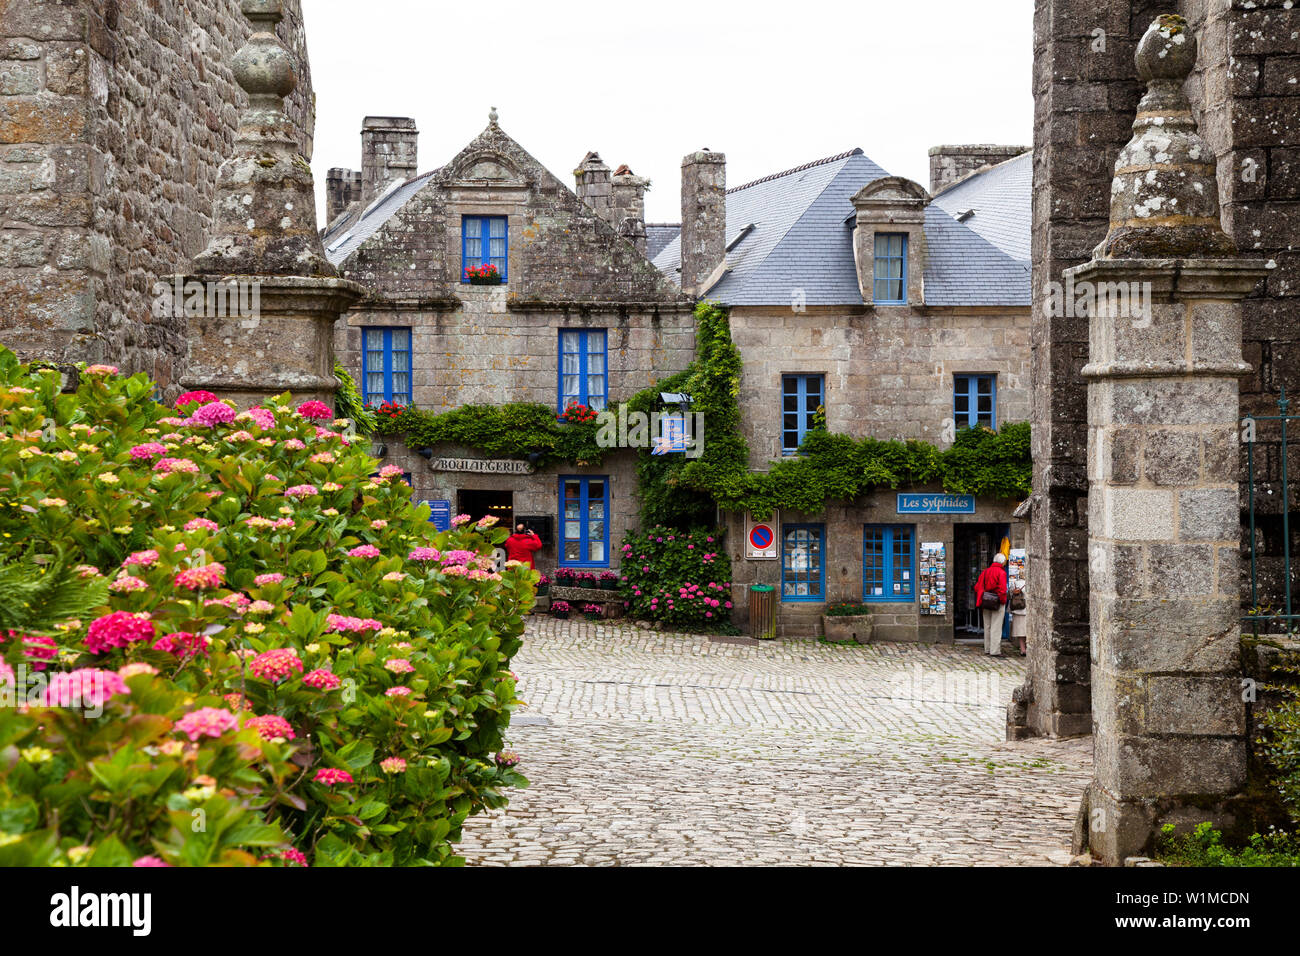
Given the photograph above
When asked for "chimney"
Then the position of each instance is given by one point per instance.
(593, 185)
(704, 218)
(628, 200)
(387, 152)
(342, 189)
(950, 164)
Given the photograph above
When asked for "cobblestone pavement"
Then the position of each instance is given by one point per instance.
(652, 748)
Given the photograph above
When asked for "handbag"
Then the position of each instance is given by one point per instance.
(990, 601)
(1017, 602)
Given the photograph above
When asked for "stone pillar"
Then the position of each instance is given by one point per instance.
(628, 201)
(704, 218)
(342, 189)
(1162, 295)
(262, 300)
(388, 152)
(593, 186)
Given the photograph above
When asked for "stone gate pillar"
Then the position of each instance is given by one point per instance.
(1162, 295)
(263, 299)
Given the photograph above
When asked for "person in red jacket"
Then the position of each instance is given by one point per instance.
(521, 545)
(993, 581)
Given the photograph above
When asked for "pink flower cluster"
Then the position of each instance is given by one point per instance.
(202, 524)
(189, 398)
(458, 557)
(330, 776)
(424, 554)
(262, 580)
(150, 449)
(393, 765)
(127, 584)
(270, 727)
(206, 722)
(141, 559)
(301, 491)
(321, 679)
(390, 471)
(315, 410)
(40, 649)
(275, 665)
(118, 630)
(213, 414)
(340, 623)
(169, 466)
(399, 665)
(203, 576)
(263, 417)
(85, 687)
(364, 551)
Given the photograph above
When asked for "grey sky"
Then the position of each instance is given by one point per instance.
(771, 85)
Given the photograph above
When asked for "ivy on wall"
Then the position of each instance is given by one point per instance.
(681, 492)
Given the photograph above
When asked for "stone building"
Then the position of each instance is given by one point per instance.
(904, 312)
(114, 118)
(580, 315)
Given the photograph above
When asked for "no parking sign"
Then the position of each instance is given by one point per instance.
(760, 538)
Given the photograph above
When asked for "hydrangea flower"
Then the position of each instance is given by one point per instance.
(39, 649)
(300, 491)
(202, 524)
(203, 576)
(321, 679)
(101, 370)
(318, 411)
(270, 727)
(364, 551)
(424, 554)
(263, 417)
(127, 584)
(331, 775)
(398, 691)
(141, 559)
(127, 671)
(182, 643)
(392, 765)
(148, 450)
(206, 722)
(150, 861)
(399, 665)
(213, 414)
(274, 577)
(170, 466)
(506, 758)
(275, 665)
(189, 398)
(118, 630)
(340, 623)
(85, 687)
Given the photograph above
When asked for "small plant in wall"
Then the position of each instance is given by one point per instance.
(482, 275)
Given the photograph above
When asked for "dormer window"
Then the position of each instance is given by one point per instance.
(483, 247)
(889, 285)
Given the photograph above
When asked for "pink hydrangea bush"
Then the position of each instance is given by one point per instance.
(285, 613)
(679, 577)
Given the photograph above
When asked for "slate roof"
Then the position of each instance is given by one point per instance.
(794, 230)
(346, 235)
(658, 235)
(999, 195)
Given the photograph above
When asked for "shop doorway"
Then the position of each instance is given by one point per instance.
(480, 504)
(973, 549)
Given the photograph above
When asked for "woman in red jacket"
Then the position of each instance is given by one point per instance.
(521, 545)
(993, 581)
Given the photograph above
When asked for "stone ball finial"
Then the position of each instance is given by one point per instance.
(262, 66)
(1167, 51)
(492, 115)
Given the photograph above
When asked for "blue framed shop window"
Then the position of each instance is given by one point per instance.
(584, 521)
(583, 369)
(975, 401)
(801, 396)
(803, 562)
(484, 241)
(889, 286)
(889, 563)
(386, 365)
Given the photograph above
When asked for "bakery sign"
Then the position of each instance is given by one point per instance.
(483, 466)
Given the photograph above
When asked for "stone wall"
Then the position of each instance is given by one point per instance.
(949, 164)
(888, 372)
(1085, 94)
(114, 118)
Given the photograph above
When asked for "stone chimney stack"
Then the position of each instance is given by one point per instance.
(628, 201)
(704, 218)
(388, 152)
(594, 187)
(342, 189)
(948, 164)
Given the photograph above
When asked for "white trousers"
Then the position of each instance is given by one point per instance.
(993, 629)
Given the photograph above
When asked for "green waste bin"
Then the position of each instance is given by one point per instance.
(762, 611)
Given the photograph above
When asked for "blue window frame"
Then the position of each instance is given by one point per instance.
(803, 562)
(801, 396)
(975, 401)
(584, 369)
(889, 286)
(386, 365)
(484, 241)
(889, 563)
(584, 521)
